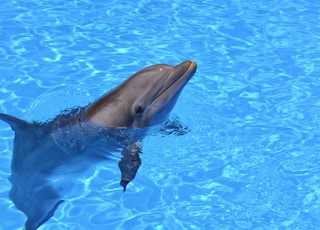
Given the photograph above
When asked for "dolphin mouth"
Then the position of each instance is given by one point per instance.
(190, 68)
(183, 72)
(179, 77)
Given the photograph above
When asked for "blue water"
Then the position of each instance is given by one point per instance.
(251, 159)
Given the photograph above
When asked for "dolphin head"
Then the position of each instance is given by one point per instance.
(143, 100)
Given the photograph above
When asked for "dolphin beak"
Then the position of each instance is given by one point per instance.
(183, 72)
(187, 68)
(178, 78)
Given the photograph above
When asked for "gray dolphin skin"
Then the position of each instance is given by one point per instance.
(46, 153)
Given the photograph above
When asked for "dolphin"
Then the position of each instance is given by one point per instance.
(45, 153)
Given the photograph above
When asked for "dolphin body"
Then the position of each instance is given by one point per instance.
(46, 152)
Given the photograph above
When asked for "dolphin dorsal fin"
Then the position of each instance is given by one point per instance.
(15, 123)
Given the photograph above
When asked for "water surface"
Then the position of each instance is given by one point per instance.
(250, 160)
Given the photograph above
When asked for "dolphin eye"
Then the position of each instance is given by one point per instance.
(138, 109)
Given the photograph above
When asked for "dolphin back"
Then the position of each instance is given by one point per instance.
(31, 192)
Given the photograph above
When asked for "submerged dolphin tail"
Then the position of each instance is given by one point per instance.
(15, 123)
(33, 222)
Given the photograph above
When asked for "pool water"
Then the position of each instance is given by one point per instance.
(251, 159)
